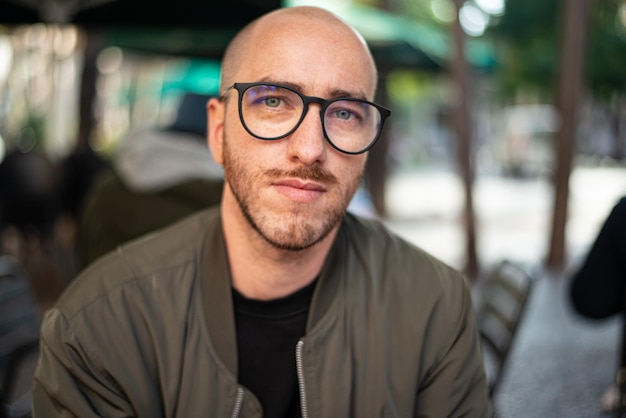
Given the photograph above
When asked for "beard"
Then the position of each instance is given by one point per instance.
(300, 226)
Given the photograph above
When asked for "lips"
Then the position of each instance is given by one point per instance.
(299, 190)
(299, 184)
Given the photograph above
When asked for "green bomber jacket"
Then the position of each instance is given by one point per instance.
(149, 331)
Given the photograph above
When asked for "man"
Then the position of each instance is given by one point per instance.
(277, 304)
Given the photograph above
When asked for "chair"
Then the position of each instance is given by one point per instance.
(19, 338)
(503, 295)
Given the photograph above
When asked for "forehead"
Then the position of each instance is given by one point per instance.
(320, 54)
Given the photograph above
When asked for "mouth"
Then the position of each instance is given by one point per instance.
(299, 190)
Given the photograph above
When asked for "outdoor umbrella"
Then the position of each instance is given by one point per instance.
(135, 13)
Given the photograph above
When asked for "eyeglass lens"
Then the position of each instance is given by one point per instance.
(271, 112)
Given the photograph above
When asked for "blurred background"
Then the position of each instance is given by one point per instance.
(507, 138)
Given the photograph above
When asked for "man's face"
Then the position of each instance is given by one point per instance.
(294, 191)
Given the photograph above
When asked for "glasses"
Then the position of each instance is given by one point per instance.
(273, 111)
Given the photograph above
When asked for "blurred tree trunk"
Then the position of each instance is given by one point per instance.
(89, 76)
(618, 107)
(573, 39)
(377, 170)
(462, 125)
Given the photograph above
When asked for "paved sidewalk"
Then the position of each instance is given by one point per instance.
(560, 363)
(513, 216)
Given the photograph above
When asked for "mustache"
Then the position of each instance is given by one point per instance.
(314, 173)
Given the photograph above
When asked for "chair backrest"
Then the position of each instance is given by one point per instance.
(20, 321)
(504, 293)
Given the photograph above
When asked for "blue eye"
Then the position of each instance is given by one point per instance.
(344, 114)
(272, 101)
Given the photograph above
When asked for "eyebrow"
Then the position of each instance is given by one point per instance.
(334, 94)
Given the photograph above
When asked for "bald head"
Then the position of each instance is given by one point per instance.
(304, 23)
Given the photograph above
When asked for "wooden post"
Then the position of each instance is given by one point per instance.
(574, 29)
(462, 126)
(89, 75)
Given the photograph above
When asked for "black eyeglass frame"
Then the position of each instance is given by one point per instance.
(306, 100)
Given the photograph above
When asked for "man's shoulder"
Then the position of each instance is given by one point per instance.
(181, 236)
(392, 255)
(371, 232)
(168, 245)
(157, 256)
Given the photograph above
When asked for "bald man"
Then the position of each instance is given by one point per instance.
(278, 303)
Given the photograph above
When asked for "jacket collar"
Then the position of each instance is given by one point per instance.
(217, 292)
(328, 286)
(217, 301)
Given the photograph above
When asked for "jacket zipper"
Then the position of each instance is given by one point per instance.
(300, 372)
(238, 403)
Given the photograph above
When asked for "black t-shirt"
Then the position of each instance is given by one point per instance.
(267, 334)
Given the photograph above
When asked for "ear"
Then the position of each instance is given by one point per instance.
(215, 132)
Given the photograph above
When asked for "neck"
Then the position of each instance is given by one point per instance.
(261, 271)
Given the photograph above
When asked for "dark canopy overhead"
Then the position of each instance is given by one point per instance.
(197, 29)
(172, 13)
(135, 13)
(17, 13)
(171, 27)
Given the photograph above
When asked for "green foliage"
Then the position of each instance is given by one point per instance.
(526, 44)
(528, 40)
(408, 86)
(606, 52)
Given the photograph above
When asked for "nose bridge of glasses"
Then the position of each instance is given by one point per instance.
(306, 101)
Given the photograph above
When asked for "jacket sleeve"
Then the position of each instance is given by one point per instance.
(455, 384)
(597, 289)
(68, 381)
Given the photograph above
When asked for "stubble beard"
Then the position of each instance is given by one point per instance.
(297, 230)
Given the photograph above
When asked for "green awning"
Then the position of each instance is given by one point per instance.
(398, 41)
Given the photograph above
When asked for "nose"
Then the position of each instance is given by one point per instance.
(307, 144)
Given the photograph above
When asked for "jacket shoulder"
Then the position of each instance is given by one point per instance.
(399, 263)
(374, 237)
(153, 255)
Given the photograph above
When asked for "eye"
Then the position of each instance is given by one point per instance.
(343, 114)
(272, 101)
(267, 96)
(352, 111)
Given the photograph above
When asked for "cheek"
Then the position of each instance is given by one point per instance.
(236, 143)
(234, 158)
(354, 168)
(245, 157)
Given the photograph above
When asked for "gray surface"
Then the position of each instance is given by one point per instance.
(560, 364)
